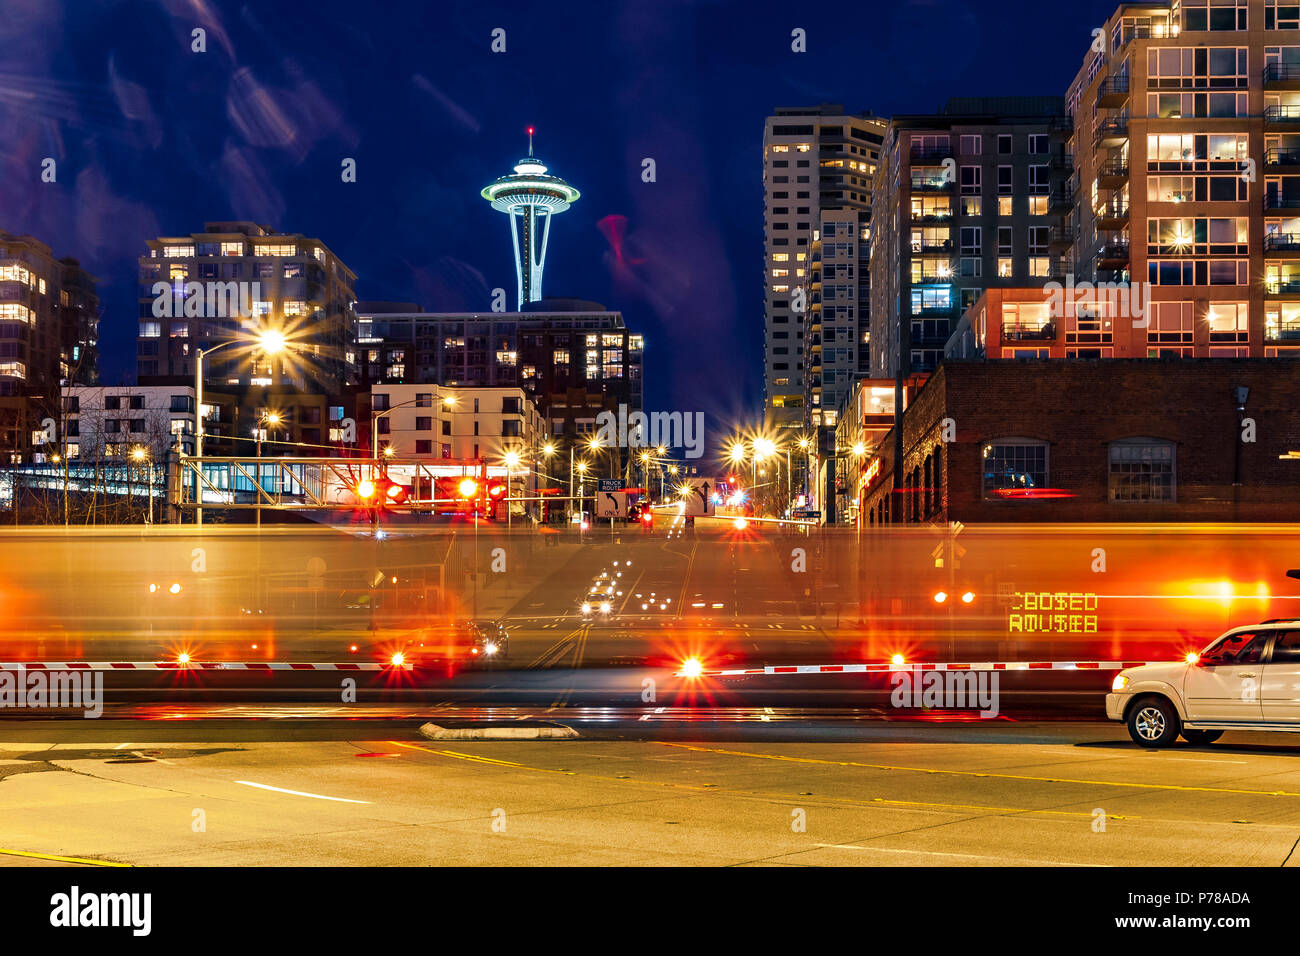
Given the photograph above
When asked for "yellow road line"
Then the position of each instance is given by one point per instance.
(830, 801)
(61, 859)
(981, 773)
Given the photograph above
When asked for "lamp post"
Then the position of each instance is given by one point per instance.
(267, 418)
(511, 459)
(271, 342)
(140, 453)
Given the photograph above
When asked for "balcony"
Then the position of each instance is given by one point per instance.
(1061, 162)
(1112, 92)
(932, 311)
(933, 247)
(1283, 330)
(1113, 174)
(1274, 201)
(1282, 116)
(932, 183)
(1113, 254)
(1281, 242)
(1113, 216)
(1110, 133)
(1281, 76)
(1284, 285)
(1276, 159)
(1060, 200)
(1061, 236)
(1118, 276)
(931, 215)
(928, 157)
(1028, 332)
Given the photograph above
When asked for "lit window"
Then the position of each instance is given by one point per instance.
(1014, 465)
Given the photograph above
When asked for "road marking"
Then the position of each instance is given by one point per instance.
(977, 773)
(1196, 759)
(62, 859)
(767, 796)
(298, 793)
(122, 746)
(962, 856)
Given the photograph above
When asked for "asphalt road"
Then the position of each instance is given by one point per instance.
(727, 788)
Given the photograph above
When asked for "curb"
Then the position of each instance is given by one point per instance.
(497, 732)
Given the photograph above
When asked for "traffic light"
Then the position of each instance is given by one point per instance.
(380, 492)
(467, 488)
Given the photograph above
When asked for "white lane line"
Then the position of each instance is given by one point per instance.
(298, 793)
(122, 746)
(964, 856)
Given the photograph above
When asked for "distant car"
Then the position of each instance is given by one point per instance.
(1247, 679)
(486, 639)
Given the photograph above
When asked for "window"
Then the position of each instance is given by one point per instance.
(970, 240)
(972, 145)
(971, 179)
(1005, 179)
(1013, 465)
(1281, 15)
(1038, 205)
(1214, 14)
(1004, 241)
(1004, 206)
(423, 424)
(1236, 649)
(1004, 144)
(971, 205)
(1286, 647)
(423, 446)
(1037, 143)
(1142, 469)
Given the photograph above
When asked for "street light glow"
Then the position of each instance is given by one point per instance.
(272, 341)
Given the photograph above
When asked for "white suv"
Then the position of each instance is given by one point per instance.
(1248, 679)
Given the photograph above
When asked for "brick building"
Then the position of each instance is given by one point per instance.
(1093, 440)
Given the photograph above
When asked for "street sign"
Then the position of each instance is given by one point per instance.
(700, 499)
(806, 513)
(609, 484)
(611, 504)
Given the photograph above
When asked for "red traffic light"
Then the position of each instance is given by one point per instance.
(647, 517)
(496, 491)
(365, 489)
(468, 488)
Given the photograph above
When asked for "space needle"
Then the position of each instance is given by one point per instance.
(530, 197)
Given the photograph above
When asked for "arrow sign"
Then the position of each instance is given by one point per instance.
(611, 504)
(700, 500)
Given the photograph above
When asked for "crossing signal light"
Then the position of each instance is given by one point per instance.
(365, 490)
(468, 488)
(496, 491)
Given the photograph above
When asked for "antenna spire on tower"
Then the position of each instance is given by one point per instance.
(530, 141)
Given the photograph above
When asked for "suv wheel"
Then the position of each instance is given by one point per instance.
(1199, 738)
(1153, 722)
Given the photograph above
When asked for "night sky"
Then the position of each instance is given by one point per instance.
(153, 139)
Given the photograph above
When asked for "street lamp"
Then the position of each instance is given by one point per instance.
(511, 459)
(271, 342)
(267, 418)
(140, 453)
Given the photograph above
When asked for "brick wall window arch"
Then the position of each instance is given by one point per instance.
(1013, 466)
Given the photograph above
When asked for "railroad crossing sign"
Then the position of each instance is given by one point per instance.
(699, 501)
(611, 504)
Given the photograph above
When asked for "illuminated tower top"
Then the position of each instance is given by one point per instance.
(530, 197)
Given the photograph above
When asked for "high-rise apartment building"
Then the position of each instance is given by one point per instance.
(818, 165)
(233, 278)
(1187, 147)
(964, 200)
(49, 337)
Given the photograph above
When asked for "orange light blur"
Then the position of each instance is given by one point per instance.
(968, 597)
(398, 659)
(365, 489)
(468, 488)
(691, 667)
(940, 597)
(898, 660)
